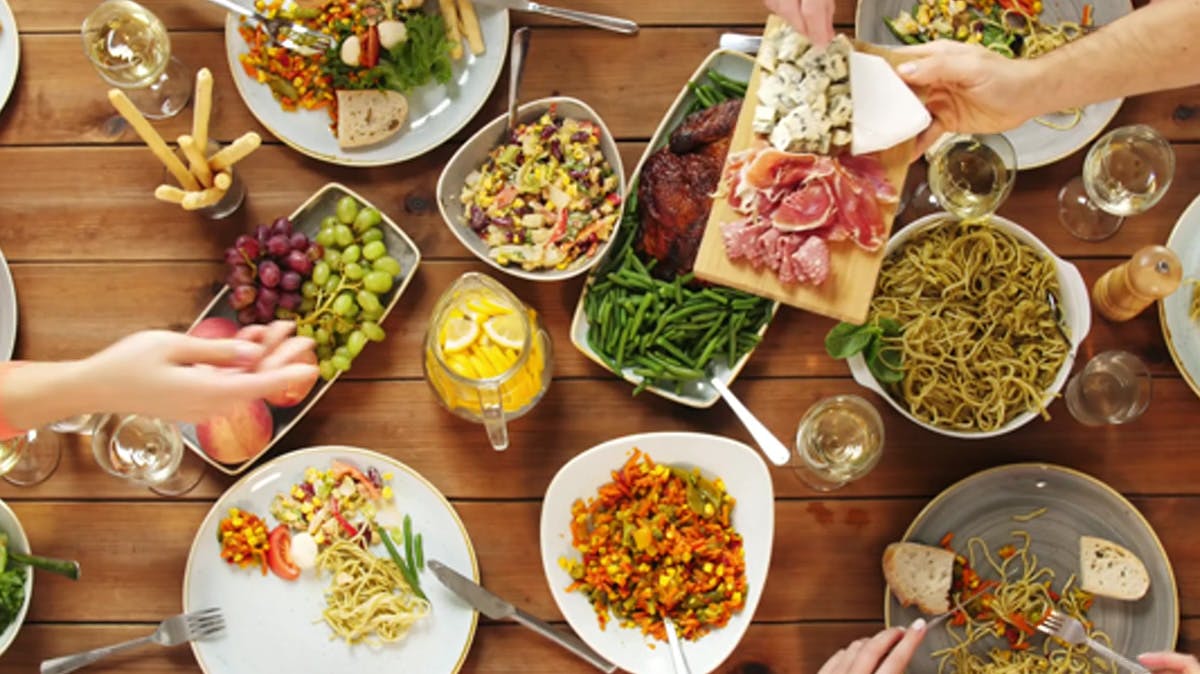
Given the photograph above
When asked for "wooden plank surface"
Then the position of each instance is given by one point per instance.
(94, 258)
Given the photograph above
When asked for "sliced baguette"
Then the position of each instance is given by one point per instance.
(369, 116)
(1109, 570)
(919, 574)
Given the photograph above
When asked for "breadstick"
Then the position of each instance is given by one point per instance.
(196, 160)
(203, 110)
(169, 194)
(154, 141)
(196, 200)
(235, 151)
(450, 16)
(222, 180)
(470, 26)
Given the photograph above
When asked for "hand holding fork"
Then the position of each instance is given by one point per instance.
(1070, 630)
(171, 632)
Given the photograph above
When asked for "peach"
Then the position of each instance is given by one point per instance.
(214, 328)
(239, 435)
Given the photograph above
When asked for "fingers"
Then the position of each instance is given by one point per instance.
(292, 350)
(818, 20)
(269, 336)
(186, 350)
(867, 659)
(1177, 663)
(927, 138)
(232, 387)
(900, 656)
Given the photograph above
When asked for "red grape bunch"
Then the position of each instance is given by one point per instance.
(266, 270)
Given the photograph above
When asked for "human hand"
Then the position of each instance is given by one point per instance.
(1170, 663)
(813, 18)
(969, 88)
(177, 377)
(888, 652)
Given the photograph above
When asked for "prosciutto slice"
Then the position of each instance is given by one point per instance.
(794, 203)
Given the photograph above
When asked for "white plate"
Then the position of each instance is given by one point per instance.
(8, 310)
(10, 52)
(17, 540)
(1075, 305)
(1180, 332)
(1036, 144)
(746, 479)
(270, 622)
(737, 66)
(435, 112)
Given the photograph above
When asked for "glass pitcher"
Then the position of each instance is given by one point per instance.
(487, 357)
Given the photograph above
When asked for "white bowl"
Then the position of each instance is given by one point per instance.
(746, 479)
(18, 541)
(472, 155)
(1074, 303)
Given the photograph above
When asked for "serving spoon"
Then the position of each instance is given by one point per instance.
(767, 442)
(516, 68)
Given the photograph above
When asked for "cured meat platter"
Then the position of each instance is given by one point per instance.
(805, 219)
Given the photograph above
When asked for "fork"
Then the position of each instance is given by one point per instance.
(1070, 630)
(297, 38)
(171, 632)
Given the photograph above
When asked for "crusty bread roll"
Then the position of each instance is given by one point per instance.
(369, 116)
(1109, 570)
(919, 574)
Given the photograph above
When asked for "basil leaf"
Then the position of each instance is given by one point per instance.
(891, 327)
(847, 339)
(884, 362)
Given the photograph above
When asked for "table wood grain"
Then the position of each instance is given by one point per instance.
(94, 257)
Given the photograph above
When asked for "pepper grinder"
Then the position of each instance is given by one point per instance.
(1125, 290)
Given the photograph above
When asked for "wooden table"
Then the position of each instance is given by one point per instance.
(94, 258)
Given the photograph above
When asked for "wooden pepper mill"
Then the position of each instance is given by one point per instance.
(1125, 290)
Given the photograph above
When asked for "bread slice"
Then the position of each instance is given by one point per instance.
(919, 574)
(369, 116)
(1109, 570)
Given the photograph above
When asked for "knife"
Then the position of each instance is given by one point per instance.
(598, 20)
(497, 609)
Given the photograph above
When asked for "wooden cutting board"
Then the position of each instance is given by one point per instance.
(846, 293)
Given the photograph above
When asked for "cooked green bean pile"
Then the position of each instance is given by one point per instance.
(668, 332)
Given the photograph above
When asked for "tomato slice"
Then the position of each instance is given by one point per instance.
(371, 45)
(279, 555)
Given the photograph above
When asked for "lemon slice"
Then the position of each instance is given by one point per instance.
(488, 307)
(507, 330)
(458, 334)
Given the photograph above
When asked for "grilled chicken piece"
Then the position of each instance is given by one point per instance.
(706, 126)
(674, 201)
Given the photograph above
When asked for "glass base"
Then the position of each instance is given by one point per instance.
(39, 459)
(1082, 217)
(920, 203)
(80, 424)
(813, 480)
(168, 96)
(191, 470)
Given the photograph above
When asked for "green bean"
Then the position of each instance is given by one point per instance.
(732, 341)
(716, 297)
(672, 349)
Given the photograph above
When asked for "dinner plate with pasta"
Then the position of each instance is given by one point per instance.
(1016, 535)
(317, 560)
(1179, 312)
(1014, 28)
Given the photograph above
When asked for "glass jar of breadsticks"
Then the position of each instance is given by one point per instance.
(201, 170)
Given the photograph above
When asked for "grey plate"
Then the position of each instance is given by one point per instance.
(1036, 144)
(8, 311)
(10, 52)
(1077, 504)
(307, 218)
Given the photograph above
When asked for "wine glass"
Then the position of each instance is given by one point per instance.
(1125, 173)
(145, 450)
(971, 175)
(29, 459)
(840, 439)
(1113, 388)
(130, 49)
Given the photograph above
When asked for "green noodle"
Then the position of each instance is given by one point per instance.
(368, 599)
(980, 342)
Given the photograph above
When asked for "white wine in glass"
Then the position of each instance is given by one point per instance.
(1125, 173)
(143, 449)
(130, 48)
(970, 176)
(29, 459)
(840, 439)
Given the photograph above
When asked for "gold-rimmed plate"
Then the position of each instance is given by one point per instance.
(435, 111)
(1181, 333)
(1076, 504)
(273, 625)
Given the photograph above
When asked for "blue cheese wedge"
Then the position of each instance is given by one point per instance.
(804, 102)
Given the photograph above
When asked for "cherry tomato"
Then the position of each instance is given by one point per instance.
(279, 555)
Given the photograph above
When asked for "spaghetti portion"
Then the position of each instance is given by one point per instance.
(657, 544)
(980, 342)
(368, 599)
(1001, 614)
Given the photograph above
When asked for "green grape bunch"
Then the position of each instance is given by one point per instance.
(342, 302)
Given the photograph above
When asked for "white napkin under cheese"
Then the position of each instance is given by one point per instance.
(886, 111)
